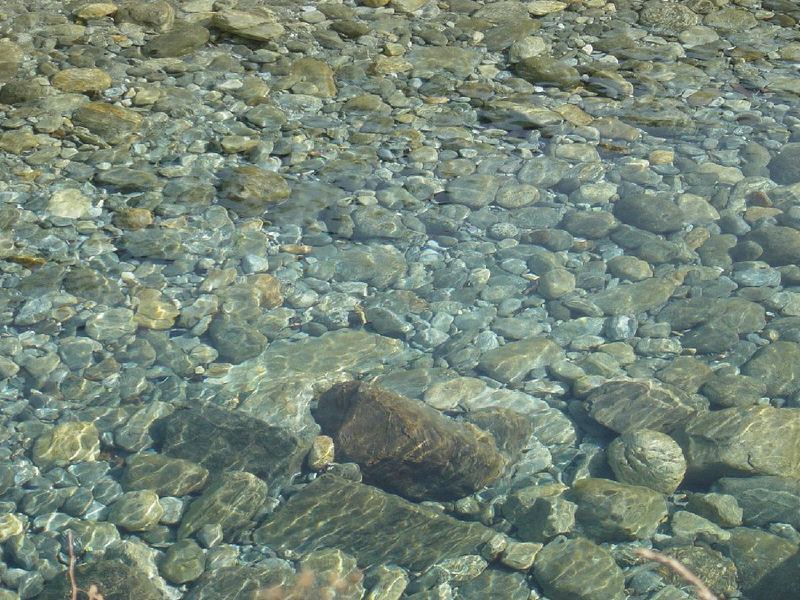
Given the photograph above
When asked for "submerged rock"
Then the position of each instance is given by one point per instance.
(373, 526)
(405, 446)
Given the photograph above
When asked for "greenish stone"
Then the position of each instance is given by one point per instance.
(608, 510)
(158, 15)
(388, 581)
(543, 70)
(112, 578)
(232, 500)
(568, 569)
(67, 443)
(548, 517)
(633, 405)
(184, 39)
(689, 526)
(556, 283)
(221, 440)
(260, 24)
(720, 508)
(136, 511)
(648, 458)
(768, 566)
(474, 191)
(756, 440)
(94, 536)
(236, 582)
(729, 390)
(664, 17)
(778, 366)
(183, 562)
(128, 180)
(780, 245)
(513, 361)
(497, 583)
(250, 190)
(715, 570)
(432, 60)
(164, 475)
(354, 518)
(762, 500)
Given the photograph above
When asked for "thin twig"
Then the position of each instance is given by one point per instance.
(71, 568)
(702, 591)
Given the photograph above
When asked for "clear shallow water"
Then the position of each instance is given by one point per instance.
(557, 242)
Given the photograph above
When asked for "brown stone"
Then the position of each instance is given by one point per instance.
(404, 446)
(82, 80)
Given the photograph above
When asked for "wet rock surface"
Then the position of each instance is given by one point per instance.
(357, 515)
(560, 237)
(406, 447)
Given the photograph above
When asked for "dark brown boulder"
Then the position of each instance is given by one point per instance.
(407, 447)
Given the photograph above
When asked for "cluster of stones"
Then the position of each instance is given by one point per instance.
(559, 239)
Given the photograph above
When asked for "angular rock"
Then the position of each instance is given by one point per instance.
(155, 16)
(112, 123)
(511, 362)
(755, 440)
(578, 569)
(651, 213)
(164, 475)
(764, 499)
(82, 80)
(405, 446)
(768, 565)
(261, 25)
(543, 70)
(715, 570)
(222, 440)
(184, 39)
(250, 190)
(612, 511)
(637, 297)
(334, 512)
(781, 245)
(632, 405)
(242, 581)
(778, 366)
(69, 204)
(231, 501)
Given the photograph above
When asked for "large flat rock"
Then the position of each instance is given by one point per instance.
(370, 524)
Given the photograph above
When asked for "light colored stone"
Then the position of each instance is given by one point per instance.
(69, 204)
(540, 8)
